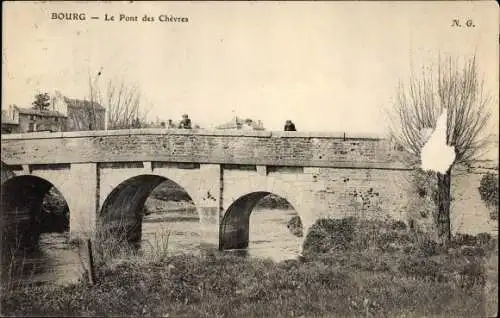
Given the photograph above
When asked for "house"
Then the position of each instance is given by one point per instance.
(9, 125)
(243, 124)
(81, 114)
(19, 120)
(64, 114)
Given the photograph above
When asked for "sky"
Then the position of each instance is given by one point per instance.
(328, 66)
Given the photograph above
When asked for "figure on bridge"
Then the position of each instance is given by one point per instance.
(171, 124)
(185, 122)
(289, 126)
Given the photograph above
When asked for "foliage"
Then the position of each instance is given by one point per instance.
(42, 101)
(115, 243)
(361, 279)
(55, 213)
(272, 201)
(329, 234)
(170, 191)
(488, 189)
(295, 226)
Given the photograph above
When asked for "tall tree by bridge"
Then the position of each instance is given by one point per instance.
(460, 91)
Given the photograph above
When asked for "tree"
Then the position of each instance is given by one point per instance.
(123, 103)
(42, 101)
(422, 101)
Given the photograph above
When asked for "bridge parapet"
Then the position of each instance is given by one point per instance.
(306, 149)
(195, 132)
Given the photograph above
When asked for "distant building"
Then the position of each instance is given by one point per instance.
(9, 125)
(80, 113)
(243, 124)
(65, 114)
(19, 120)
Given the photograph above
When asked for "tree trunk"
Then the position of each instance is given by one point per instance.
(442, 217)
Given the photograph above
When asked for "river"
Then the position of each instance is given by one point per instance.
(58, 261)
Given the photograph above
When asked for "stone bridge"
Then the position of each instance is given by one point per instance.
(105, 174)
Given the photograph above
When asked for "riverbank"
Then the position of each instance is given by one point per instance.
(349, 268)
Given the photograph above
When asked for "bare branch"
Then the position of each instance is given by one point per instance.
(123, 103)
(460, 91)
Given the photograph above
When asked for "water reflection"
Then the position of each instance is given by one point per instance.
(53, 260)
(177, 231)
(269, 235)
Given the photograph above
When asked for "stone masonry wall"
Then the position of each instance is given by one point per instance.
(319, 174)
(258, 148)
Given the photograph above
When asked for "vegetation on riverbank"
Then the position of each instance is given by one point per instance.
(55, 213)
(349, 268)
(295, 226)
(272, 201)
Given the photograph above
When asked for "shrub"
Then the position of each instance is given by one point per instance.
(329, 234)
(272, 201)
(348, 280)
(488, 189)
(464, 239)
(295, 226)
(398, 225)
(473, 251)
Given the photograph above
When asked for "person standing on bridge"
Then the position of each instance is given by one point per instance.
(171, 124)
(289, 126)
(185, 122)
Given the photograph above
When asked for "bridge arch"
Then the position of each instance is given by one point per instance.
(22, 220)
(123, 209)
(7, 173)
(235, 225)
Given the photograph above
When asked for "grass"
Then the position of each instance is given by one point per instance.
(350, 268)
(112, 244)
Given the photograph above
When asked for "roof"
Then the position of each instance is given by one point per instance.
(9, 122)
(6, 120)
(236, 123)
(38, 112)
(231, 124)
(79, 103)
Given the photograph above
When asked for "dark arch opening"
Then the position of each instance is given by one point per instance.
(30, 206)
(138, 200)
(235, 225)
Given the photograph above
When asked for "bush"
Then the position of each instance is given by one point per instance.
(329, 234)
(484, 241)
(488, 189)
(350, 279)
(295, 226)
(272, 201)
(473, 251)
(398, 225)
(464, 239)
